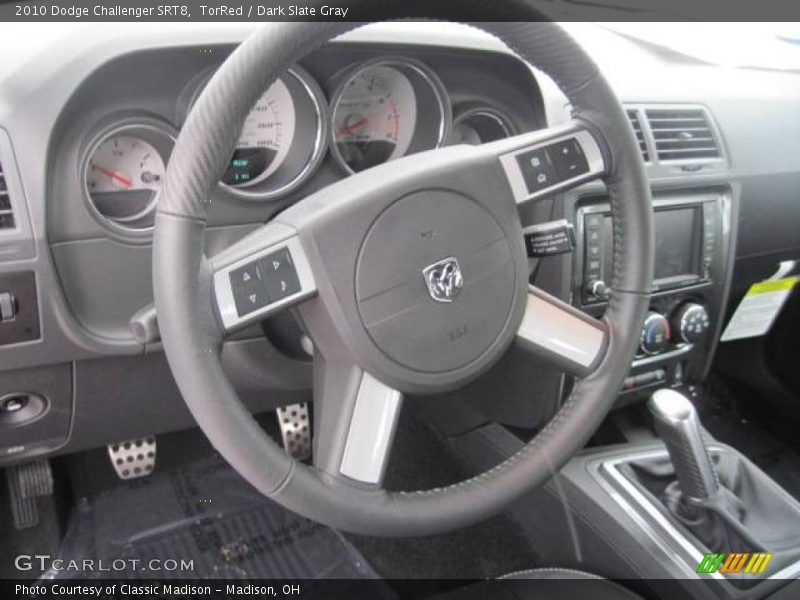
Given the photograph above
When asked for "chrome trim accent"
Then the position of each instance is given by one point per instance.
(223, 291)
(371, 431)
(656, 358)
(569, 336)
(677, 424)
(591, 151)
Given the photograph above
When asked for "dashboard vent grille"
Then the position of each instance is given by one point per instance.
(633, 116)
(6, 214)
(682, 134)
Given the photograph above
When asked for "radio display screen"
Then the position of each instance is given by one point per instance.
(677, 245)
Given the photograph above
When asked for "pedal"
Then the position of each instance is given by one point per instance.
(295, 426)
(133, 458)
(26, 483)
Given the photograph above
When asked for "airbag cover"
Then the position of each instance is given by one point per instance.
(396, 307)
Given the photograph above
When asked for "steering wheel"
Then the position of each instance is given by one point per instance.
(410, 277)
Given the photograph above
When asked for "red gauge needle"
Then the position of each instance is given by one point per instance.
(113, 174)
(351, 128)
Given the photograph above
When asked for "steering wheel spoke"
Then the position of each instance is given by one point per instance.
(542, 163)
(263, 273)
(565, 336)
(355, 416)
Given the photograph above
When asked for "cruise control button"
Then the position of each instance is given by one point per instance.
(248, 299)
(537, 170)
(246, 276)
(280, 276)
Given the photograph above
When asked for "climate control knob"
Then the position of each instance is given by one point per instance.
(655, 333)
(691, 321)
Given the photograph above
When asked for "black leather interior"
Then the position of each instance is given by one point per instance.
(543, 584)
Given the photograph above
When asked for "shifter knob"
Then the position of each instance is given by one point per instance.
(677, 425)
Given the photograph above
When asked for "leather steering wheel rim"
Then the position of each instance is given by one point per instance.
(189, 325)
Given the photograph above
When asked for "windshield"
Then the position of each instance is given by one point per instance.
(755, 45)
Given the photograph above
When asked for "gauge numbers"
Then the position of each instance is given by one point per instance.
(124, 175)
(375, 117)
(265, 140)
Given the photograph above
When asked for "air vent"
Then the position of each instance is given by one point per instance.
(682, 134)
(6, 214)
(633, 116)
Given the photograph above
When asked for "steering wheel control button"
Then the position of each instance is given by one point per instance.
(537, 170)
(266, 280)
(280, 277)
(568, 159)
(249, 291)
(548, 239)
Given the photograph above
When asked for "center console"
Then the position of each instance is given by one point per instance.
(691, 243)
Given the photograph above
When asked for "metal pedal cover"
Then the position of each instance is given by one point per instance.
(133, 458)
(26, 483)
(295, 430)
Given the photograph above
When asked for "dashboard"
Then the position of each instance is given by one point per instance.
(86, 133)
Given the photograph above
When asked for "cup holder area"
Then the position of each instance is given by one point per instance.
(21, 408)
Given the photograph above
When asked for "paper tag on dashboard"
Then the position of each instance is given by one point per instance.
(758, 309)
(548, 239)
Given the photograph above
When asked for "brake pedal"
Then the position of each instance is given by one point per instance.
(295, 426)
(133, 458)
(26, 483)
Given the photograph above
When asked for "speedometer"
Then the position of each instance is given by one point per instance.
(387, 109)
(265, 140)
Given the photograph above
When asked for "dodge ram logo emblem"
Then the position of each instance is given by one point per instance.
(444, 279)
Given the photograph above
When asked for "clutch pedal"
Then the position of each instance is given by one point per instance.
(133, 458)
(26, 483)
(295, 427)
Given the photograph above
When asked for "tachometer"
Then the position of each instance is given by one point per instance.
(282, 141)
(387, 109)
(265, 140)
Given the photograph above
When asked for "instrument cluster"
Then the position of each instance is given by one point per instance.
(376, 111)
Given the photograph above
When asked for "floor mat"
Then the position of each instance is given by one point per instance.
(206, 513)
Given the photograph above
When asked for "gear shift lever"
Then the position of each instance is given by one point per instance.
(677, 425)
